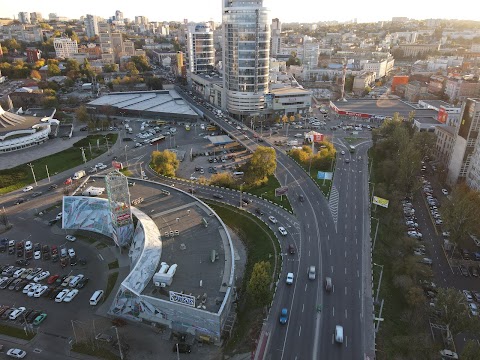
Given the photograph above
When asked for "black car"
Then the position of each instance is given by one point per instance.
(32, 316)
(81, 284)
(52, 187)
(20, 253)
(464, 270)
(258, 211)
(36, 194)
(22, 262)
(49, 292)
(37, 247)
(19, 201)
(54, 257)
(55, 293)
(21, 285)
(73, 261)
(127, 139)
(82, 261)
(52, 222)
(6, 283)
(182, 348)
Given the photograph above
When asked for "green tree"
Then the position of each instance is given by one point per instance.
(453, 307)
(154, 83)
(81, 114)
(165, 162)
(49, 102)
(53, 70)
(109, 68)
(461, 214)
(471, 350)
(415, 297)
(259, 284)
(261, 165)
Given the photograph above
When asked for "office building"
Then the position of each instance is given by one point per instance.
(24, 17)
(91, 25)
(118, 15)
(246, 53)
(65, 47)
(200, 50)
(35, 17)
(276, 29)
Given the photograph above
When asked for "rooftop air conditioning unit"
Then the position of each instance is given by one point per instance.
(156, 283)
(163, 285)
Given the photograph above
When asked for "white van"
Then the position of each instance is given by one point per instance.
(238, 173)
(97, 295)
(339, 334)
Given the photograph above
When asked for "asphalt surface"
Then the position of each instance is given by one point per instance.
(340, 250)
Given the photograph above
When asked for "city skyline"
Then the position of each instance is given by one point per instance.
(304, 11)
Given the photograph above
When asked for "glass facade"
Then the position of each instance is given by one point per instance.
(246, 36)
(201, 52)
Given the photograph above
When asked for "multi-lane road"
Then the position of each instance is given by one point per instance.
(335, 238)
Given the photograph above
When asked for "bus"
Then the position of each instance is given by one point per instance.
(211, 128)
(352, 149)
(156, 140)
(161, 122)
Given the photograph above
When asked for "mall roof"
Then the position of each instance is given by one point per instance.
(159, 101)
(382, 107)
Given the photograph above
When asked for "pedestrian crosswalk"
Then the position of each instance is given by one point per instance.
(333, 203)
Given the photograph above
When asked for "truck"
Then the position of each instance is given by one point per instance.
(93, 191)
(292, 142)
(79, 175)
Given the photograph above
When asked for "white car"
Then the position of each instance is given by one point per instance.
(19, 273)
(272, 219)
(17, 312)
(71, 252)
(445, 192)
(103, 167)
(290, 278)
(70, 295)
(61, 295)
(32, 290)
(98, 165)
(16, 353)
(41, 276)
(468, 295)
(473, 309)
(28, 188)
(59, 216)
(37, 255)
(40, 291)
(70, 238)
(75, 280)
(342, 152)
(28, 245)
(282, 230)
(27, 288)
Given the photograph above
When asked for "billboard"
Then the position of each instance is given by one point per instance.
(442, 115)
(182, 299)
(380, 201)
(318, 137)
(281, 191)
(321, 175)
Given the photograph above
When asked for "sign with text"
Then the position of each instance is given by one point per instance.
(117, 165)
(182, 299)
(318, 137)
(380, 201)
(281, 191)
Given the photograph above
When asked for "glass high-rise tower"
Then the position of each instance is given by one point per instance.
(246, 53)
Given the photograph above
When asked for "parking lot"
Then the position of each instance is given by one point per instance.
(46, 273)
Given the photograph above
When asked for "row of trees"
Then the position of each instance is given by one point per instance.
(404, 334)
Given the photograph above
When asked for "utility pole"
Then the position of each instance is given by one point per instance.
(33, 173)
(48, 174)
(83, 155)
(126, 159)
(74, 333)
(119, 345)
(376, 230)
(379, 282)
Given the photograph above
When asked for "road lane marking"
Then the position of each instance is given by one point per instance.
(345, 290)
(306, 287)
(303, 305)
(333, 311)
(357, 256)
(308, 252)
(330, 252)
(358, 274)
(100, 257)
(346, 316)
(332, 269)
(345, 271)
(346, 341)
(300, 331)
(345, 253)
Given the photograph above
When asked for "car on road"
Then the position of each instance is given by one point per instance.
(258, 211)
(282, 230)
(217, 196)
(272, 219)
(19, 201)
(283, 316)
(289, 278)
(339, 334)
(28, 188)
(16, 353)
(52, 187)
(36, 194)
(445, 192)
(291, 249)
(70, 238)
(328, 284)
(311, 272)
(342, 152)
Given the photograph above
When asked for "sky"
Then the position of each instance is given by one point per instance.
(306, 11)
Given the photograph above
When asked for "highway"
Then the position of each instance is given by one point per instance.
(338, 246)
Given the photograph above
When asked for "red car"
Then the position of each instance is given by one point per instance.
(54, 250)
(52, 279)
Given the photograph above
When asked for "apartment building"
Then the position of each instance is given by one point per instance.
(445, 140)
(200, 49)
(35, 17)
(459, 89)
(276, 39)
(361, 81)
(415, 50)
(65, 47)
(91, 25)
(24, 17)
(465, 142)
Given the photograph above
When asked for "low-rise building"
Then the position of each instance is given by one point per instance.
(362, 81)
(459, 89)
(65, 47)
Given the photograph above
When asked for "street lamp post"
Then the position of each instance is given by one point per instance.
(119, 345)
(126, 159)
(33, 173)
(376, 231)
(241, 192)
(379, 282)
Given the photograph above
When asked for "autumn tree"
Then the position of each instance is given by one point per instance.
(165, 162)
(224, 179)
(258, 287)
(53, 70)
(81, 114)
(261, 165)
(34, 74)
(453, 308)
